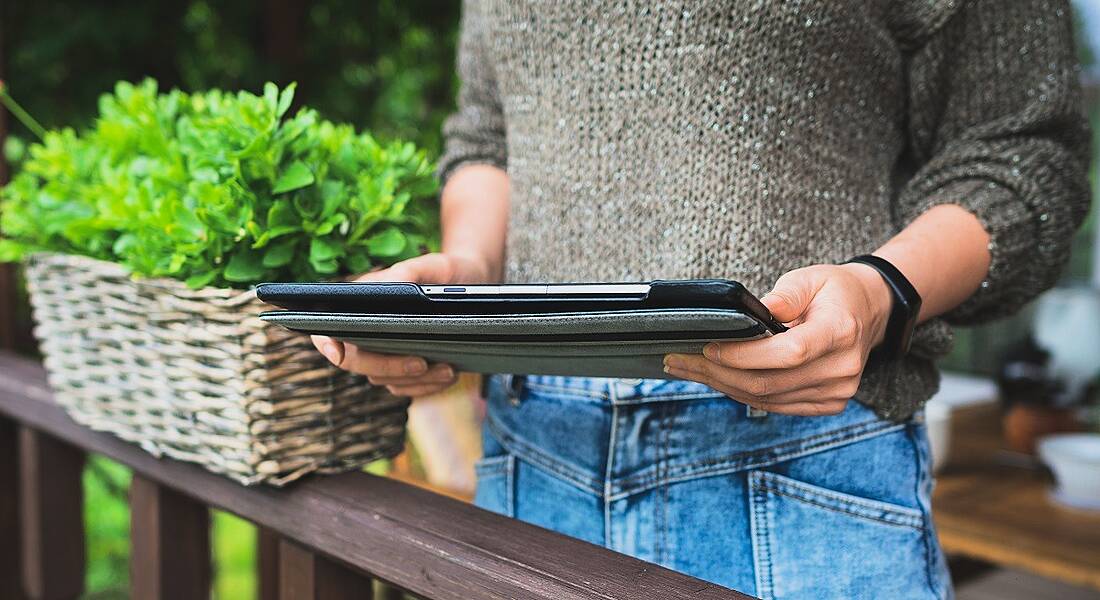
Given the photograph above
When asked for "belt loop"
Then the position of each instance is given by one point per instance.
(755, 413)
(514, 385)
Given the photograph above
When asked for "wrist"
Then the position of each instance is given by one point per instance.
(878, 298)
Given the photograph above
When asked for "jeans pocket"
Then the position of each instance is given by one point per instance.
(812, 542)
(496, 482)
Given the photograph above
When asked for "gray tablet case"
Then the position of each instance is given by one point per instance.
(590, 344)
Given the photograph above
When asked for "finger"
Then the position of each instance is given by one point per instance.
(837, 366)
(417, 390)
(793, 348)
(329, 348)
(437, 373)
(806, 409)
(807, 402)
(429, 268)
(754, 395)
(792, 294)
(366, 363)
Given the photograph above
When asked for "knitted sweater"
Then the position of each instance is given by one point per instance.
(740, 140)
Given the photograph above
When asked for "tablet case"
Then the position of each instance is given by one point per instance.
(625, 344)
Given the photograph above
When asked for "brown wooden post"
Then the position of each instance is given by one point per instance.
(267, 564)
(170, 544)
(51, 505)
(10, 556)
(305, 575)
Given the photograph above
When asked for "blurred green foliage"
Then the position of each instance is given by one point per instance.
(219, 189)
(385, 66)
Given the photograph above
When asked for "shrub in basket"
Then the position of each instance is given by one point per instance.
(142, 236)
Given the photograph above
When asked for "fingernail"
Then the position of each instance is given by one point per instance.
(667, 368)
(331, 351)
(711, 351)
(415, 366)
(449, 373)
(672, 363)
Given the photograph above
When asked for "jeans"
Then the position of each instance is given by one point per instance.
(675, 473)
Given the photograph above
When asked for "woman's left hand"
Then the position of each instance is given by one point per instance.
(836, 314)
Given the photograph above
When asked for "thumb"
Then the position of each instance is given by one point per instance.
(790, 297)
(429, 268)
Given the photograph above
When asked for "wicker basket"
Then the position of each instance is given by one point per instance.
(195, 375)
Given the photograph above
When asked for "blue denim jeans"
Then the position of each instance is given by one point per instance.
(675, 473)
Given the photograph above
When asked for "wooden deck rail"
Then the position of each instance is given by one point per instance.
(332, 534)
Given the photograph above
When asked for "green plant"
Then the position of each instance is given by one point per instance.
(220, 189)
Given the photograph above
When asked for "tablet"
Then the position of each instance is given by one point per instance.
(585, 329)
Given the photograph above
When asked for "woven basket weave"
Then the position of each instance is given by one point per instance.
(195, 375)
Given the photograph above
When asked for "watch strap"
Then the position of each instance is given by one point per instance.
(904, 309)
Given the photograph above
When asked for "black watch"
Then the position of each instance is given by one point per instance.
(903, 313)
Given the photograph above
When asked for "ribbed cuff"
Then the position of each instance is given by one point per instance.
(1013, 236)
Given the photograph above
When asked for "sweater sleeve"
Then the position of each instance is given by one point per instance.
(475, 132)
(996, 126)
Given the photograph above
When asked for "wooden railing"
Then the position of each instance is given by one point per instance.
(323, 538)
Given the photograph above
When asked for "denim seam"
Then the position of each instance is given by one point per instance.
(929, 527)
(782, 484)
(841, 509)
(510, 480)
(539, 460)
(609, 467)
(760, 533)
(662, 492)
(570, 391)
(756, 459)
(492, 465)
(648, 398)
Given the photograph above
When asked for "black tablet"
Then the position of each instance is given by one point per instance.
(459, 300)
(586, 329)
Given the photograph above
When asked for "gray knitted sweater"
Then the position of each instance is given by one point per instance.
(738, 139)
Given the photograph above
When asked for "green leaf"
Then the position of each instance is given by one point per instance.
(282, 214)
(296, 176)
(201, 279)
(285, 98)
(246, 266)
(323, 249)
(280, 254)
(325, 267)
(388, 243)
(359, 262)
(10, 251)
(217, 188)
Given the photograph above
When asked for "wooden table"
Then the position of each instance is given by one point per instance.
(987, 509)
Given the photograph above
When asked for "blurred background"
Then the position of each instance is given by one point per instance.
(385, 66)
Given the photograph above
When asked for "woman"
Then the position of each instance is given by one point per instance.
(766, 142)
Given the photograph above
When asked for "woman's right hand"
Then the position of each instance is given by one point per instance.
(407, 375)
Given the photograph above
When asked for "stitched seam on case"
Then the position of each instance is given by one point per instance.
(540, 460)
(755, 459)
